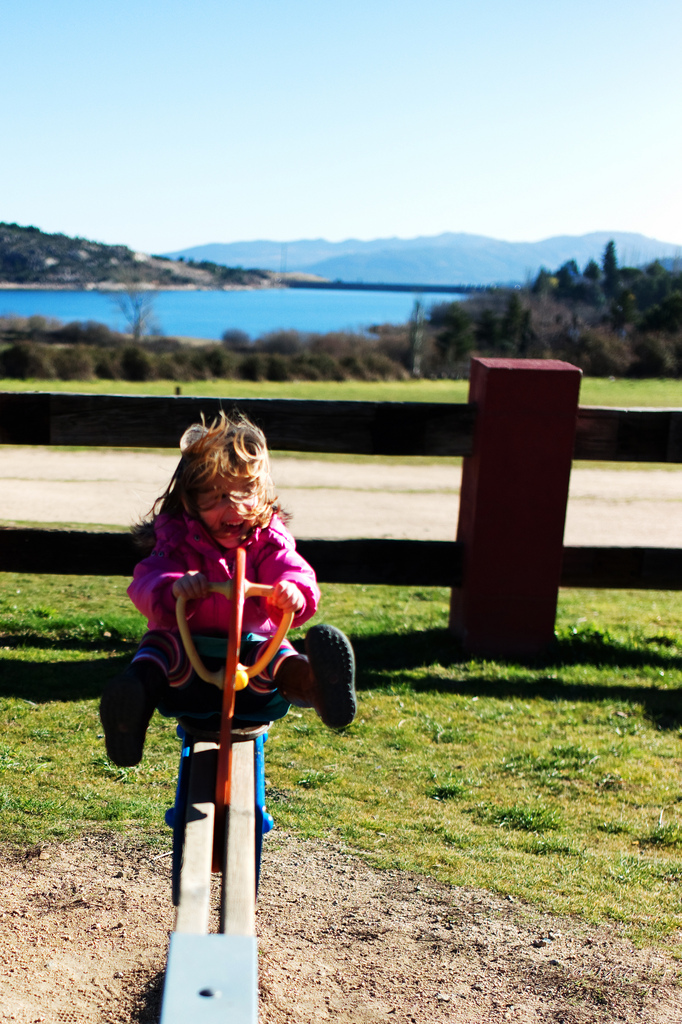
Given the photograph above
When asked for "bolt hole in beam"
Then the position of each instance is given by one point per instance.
(211, 979)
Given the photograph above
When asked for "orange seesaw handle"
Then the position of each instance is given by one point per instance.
(244, 673)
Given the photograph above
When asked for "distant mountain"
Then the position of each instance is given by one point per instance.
(29, 256)
(440, 259)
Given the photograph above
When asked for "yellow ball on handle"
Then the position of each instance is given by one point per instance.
(241, 678)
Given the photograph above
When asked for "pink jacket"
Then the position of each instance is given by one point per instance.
(183, 543)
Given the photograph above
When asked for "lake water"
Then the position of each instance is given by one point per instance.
(207, 314)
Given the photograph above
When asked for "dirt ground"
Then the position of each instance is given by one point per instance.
(84, 931)
(84, 926)
(623, 507)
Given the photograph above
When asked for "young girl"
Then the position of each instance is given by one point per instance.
(221, 497)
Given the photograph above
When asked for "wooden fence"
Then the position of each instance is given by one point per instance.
(366, 428)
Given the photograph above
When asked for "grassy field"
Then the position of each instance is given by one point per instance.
(594, 391)
(557, 781)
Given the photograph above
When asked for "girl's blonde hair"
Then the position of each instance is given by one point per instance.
(231, 446)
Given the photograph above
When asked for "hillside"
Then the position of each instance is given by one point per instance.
(30, 257)
(440, 259)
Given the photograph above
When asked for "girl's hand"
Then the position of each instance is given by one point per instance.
(286, 596)
(192, 585)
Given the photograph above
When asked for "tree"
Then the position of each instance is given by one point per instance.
(544, 282)
(667, 316)
(456, 340)
(567, 275)
(138, 309)
(488, 330)
(416, 338)
(623, 309)
(609, 265)
(592, 271)
(516, 328)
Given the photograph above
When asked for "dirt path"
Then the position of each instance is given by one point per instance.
(621, 507)
(84, 931)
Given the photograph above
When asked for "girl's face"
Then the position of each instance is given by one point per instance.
(226, 509)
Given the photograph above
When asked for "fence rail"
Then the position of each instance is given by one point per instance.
(629, 435)
(390, 562)
(362, 428)
(81, 553)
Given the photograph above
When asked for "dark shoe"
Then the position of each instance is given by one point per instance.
(325, 680)
(127, 704)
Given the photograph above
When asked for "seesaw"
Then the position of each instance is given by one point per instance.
(219, 819)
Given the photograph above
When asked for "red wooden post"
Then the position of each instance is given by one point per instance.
(513, 504)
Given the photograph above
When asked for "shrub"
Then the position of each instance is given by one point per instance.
(28, 359)
(197, 368)
(354, 367)
(253, 366)
(383, 368)
(167, 367)
(99, 334)
(277, 367)
(285, 343)
(107, 365)
(68, 334)
(394, 341)
(219, 362)
(602, 354)
(74, 362)
(309, 365)
(236, 340)
(338, 343)
(175, 365)
(136, 364)
(90, 333)
(371, 366)
(37, 324)
(655, 356)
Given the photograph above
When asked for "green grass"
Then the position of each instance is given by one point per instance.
(594, 391)
(554, 780)
(351, 391)
(653, 392)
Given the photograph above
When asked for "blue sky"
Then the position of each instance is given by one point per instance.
(168, 123)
